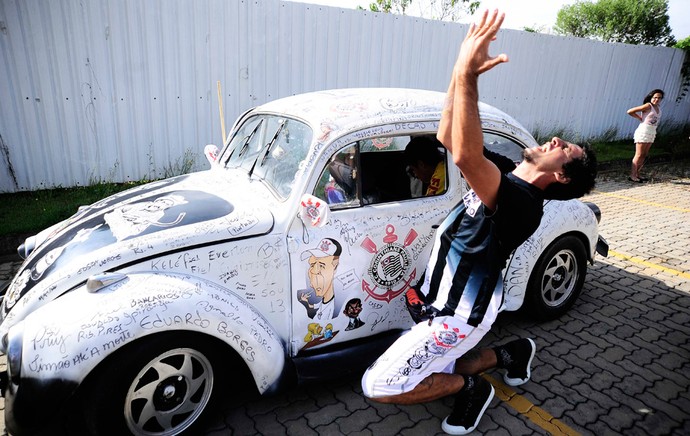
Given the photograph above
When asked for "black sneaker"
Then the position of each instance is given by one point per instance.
(470, 404)
(516, 358)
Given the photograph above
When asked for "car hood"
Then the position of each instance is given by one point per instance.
(136, 224)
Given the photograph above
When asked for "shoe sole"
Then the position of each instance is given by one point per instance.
(521, 381)
(458, 429)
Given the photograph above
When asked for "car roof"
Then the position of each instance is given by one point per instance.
(354, 108)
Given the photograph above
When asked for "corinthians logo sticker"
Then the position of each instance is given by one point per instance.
(389, 266)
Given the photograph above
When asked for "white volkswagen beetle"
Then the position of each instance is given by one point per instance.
(286, 261)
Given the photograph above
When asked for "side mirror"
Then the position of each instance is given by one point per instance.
(211, 153)
(314, 211)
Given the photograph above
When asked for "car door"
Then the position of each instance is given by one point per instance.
(349, 275)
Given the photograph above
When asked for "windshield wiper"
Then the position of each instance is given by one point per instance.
(249, 137)
(268, 147)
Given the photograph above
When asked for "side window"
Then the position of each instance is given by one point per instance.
(338, 183)
(503, 146)
(384, 169)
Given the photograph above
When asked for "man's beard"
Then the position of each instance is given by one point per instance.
(526, 156)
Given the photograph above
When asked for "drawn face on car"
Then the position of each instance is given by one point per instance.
(321, 274)
(353, 308)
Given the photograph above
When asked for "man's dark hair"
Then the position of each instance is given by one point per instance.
(423, 148)
(581, 173)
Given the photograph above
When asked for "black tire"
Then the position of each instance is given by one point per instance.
(557, 279)
(160, 385)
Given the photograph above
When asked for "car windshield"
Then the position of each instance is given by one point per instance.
(271, 148)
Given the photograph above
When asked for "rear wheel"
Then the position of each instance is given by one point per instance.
(161, 385)
(557, 279)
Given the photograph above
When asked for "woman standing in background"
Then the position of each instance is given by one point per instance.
(649, 115)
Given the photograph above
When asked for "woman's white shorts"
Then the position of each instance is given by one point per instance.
(645, 133)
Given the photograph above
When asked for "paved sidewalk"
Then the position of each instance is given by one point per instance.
(617, 363)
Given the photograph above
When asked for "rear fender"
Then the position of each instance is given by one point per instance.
(69, 337)
(560, 218)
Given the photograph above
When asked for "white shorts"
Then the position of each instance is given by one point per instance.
(422, 351)
(644, 134)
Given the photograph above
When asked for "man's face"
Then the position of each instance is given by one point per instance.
(422, 171)
(321, 273)
(551, 156)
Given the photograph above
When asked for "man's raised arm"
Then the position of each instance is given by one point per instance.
(460, 130)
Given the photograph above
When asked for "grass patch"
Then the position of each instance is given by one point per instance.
(31, 212)
(673, 142)
(672, 146)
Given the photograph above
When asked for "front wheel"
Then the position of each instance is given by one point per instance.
(557, 279)
(160, 386)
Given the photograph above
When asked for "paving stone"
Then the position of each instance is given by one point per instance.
(543, 372)
(297, 409)
(239, 421)
(416, 412)
(602, 380)
(352, 399)
(596, 335)
(501, 415)
(299, 427)
(657, 372)
(586, 413)
(667, 390)
(601, 428)
(392, 424)
(657, 423)
(358, 420)
(326, 415)
(634, 384)
(587, 350)
(268, 424)
(424, 427)
(331, 429)
(573, 377)
(654, 403)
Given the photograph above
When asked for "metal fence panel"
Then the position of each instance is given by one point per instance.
(116, 90)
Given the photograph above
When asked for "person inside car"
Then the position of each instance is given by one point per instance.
(426, 163)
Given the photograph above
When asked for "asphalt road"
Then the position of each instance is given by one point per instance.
(617, 363)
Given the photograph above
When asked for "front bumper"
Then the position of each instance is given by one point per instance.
(33, 407)
(602, 246)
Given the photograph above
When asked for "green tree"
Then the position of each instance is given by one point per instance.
(390, 6)
(628, 21)
(446, 10)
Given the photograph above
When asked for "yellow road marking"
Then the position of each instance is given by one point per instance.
(637, 200)
(535, 414)
(634, 259)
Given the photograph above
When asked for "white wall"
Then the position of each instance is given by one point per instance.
(120, 89)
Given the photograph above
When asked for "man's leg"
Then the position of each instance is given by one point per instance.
(419, 368)
(433, 387)
(515, 357)
(425, 356)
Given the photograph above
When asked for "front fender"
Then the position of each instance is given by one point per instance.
(560, 218)
(66, 339)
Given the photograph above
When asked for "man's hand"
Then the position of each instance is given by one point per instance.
(460, 129)
(474, 56)
(417, 306)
